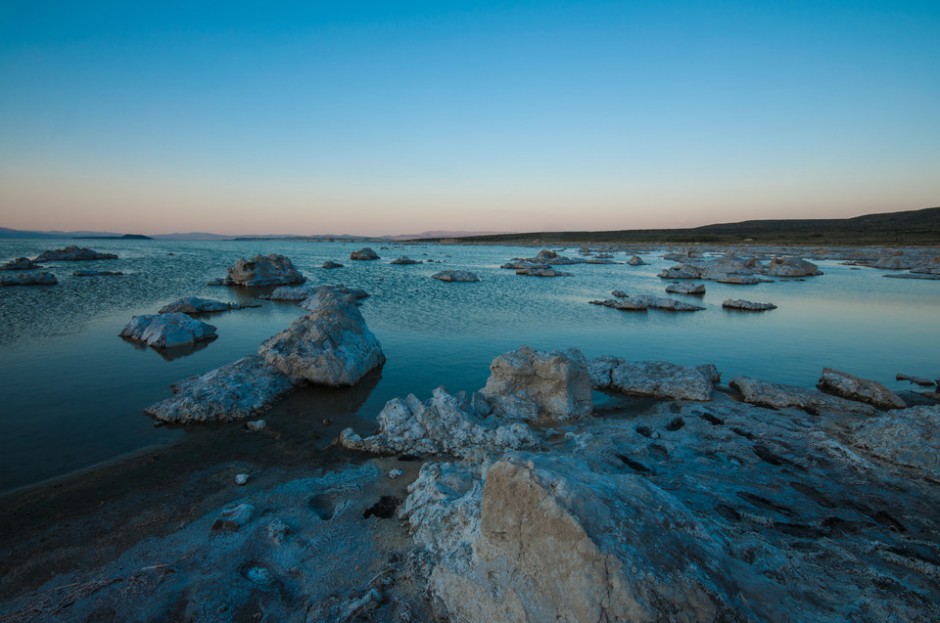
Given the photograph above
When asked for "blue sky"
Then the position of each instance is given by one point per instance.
(373, 118)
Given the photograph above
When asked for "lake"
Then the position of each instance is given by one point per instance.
(72, 392)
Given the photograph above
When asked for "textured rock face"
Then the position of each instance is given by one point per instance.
(444, 424)
(235, 391)
(264, 270)
(742, 305)
(73, 254)
(779, 396)
(789, 266)
(906, 437)
(329, 346)
(682, 271)
(686, 288)
(29, 279)
(863, 390)
(21, 263)
(739, 280)
(455, 275)
(364, 253)
(659, 379)
(196, 305)
(531, 385)
(327, 295)
(168, 330)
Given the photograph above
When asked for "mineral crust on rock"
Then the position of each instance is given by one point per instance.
(742, 305)
(660, 379)
(778, 396)
(856, 388)
(263, 270)
(167, 330)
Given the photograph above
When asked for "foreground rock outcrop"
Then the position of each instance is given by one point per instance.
(168, 330)
(73, 253)
(779, 396)
(856, 388)
(263, 270)
(659, 379)
(236, 391)
(329, 346)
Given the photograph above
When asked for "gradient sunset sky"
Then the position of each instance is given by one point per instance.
(398, 117)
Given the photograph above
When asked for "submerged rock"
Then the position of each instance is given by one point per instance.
(742, 305)
(73, 254)
(789, 266)
(404, 261)
(660, 379)
(464, 276)
(444, 424)
(194, 305)
(331, 264)
(683, 288)
(778, 396)
(236, 391)
(167, 330)
(29, 279)
(96, 273)
(21, 263)
(327, 294)
(329, 346)
(541, 272)
(863, 390)
(740, 280)
(364, 253)
(531, 385)
(623, 304)
(263, 270)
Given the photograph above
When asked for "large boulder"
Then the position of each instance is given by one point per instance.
(531, 385)
(235, 391)
(264, 270)
(905, 437)
(168, 330)
(863, 390)
(73, 254)
(659, 379)
(682, 271)
(696, 289)
(778, 396)
(789, 266)
(751, 306)
(329, 346)
(35, 278)
(444, 424)
(364, 253)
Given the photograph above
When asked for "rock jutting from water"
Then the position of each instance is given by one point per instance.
(779, 396)
(460, 276)
(537, 386)
(695, 289)
(21, 263)
(331, 264)
(404, 260)
(916, 380)
(541, 272)
(236, 391)
(74, 254)
(326, 294)
(329, 346)
(731, 269)
(790, 266)
(263, 270)
(862, 390)
(642, 302)
(365, 253)
(659, 379)
(750, 306)
(636, 260)
(194, 305)
(35, 278)
(167, 330)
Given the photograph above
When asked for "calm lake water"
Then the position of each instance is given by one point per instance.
(72, 392)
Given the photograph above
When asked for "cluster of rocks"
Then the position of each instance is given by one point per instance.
(33, 278)
(920, 263)
(731, 269)
(30, 272)
(331, 345)
(73, 254)
(21, 263)
(404, 260)
(261, 270)
(542, 264)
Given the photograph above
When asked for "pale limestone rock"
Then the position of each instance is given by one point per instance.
(365, 253)
(236, 391)
(263, 270)
(192, 305)
(329, 346)
(863, 390)
(778, 396)
(742, 305)
(686, 288)
(660, 379)
(531, 385)
(168, 330)
(906, 437)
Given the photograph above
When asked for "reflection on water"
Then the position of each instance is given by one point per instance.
(73, 392)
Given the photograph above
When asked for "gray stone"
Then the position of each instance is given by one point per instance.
(464, 276)
(906, 437)
(73, 253)
(917, 380)
(531, 385)
(739, 280)
(331, 264)
(636, 260)
(778, 396)
(742, 305)
(167, 330)
(404, 261)
(541, 272)
(856, 388)
(263, 270)
(659, 379)
(364, 253)
(194, 305)
(327, 294)
(696, 289)
(236, 391)
(789, 266)
(329, 346)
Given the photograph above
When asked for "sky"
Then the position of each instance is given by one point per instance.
(374, 118)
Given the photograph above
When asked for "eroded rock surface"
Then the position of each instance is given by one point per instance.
(659, 379)
(856, 388)
(236, 391)
(905, 437)
(779, 396)
(696, 289)
(194, 305)
(464, 276)
(365, 253)
(531, 385)
(263, 270)
(168, 330)
(751, 306)
(73, 253)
